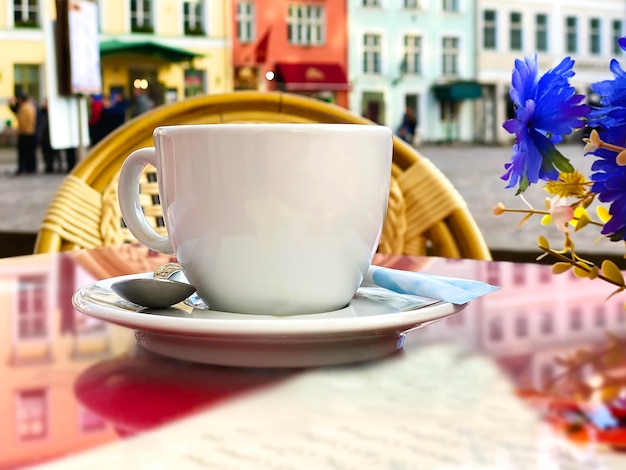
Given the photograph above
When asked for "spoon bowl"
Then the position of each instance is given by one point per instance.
(157, 292)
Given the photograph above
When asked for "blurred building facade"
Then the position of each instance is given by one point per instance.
(295, 46)
(42, 335)
(530, 339)
(172, 49)
(510, 29)
(417, 54)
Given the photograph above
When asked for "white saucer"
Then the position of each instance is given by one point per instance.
(372, 325)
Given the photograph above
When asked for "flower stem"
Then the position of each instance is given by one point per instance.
(578, 265)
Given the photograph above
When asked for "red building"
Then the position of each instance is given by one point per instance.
(295, 46)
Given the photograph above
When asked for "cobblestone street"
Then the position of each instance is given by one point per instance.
(475, 171)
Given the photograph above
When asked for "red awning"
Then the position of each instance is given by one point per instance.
(312, 77)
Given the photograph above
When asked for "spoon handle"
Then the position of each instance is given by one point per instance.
(166, 270)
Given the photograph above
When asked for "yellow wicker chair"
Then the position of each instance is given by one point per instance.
(426, 214)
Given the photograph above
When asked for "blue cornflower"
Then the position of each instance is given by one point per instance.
(609, 119)
(546, 109)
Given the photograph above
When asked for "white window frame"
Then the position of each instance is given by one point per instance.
(139, 15)
(595, 33)
(516, 30)
(491, 26)
(194, 20)
(27, 415)
(32, 290)
(413, 53)
(370, 52)
(371, 3)
(306, 24)
(617, 26)
(25, 9)
(542, 29)
(450, 5)
(246, 22)
(571, 31)
(450, 55)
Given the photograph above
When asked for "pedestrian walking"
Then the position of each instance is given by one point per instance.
(50, 156)
(26, 115)
(407, 128)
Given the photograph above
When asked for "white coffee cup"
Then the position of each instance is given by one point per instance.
(268, 218)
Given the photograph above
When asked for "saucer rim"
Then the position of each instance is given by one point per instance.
(258, 326)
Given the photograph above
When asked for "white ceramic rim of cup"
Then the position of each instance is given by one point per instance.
(272, 126)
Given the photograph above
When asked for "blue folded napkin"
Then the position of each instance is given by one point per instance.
(454, 290)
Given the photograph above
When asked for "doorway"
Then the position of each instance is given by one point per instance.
(373, 106)
(147, 81)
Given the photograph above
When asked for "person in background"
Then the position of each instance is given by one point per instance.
(113, 113)
(142, 102)
(50, 156)
(26, 115)
(96, 106)
(407, 128)
(70, 159)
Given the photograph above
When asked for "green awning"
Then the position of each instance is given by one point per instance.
(147, 48)
(458, 91)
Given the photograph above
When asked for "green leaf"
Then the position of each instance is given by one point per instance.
(543, 243)
(550, 156)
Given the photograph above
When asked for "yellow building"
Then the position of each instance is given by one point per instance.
(171, 48)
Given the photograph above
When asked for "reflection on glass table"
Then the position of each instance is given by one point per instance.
(533, 371)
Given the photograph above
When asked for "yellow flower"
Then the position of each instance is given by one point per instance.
(572, 184)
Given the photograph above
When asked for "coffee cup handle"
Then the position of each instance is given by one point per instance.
(132, 212)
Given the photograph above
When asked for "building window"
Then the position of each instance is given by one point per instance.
(493, 273)
(545, 274)
(547, 324)
(571, 35)
(616, 33)
(245, 22)
(411, 4)
(599, 316)
(141, 16)
(541, 32)
(594, 36)
(371, 53)
(370, 3)
(519, 274)
(413, 54)
(450, 57)
(193, 18)
(576, 319)
(515, 33)
(195, 82)
(31, 414)
(489, 29)
(450, 5)
(496, 330)
(27, 79)
(31, 307)
(521, 326)
(26, 13)
(306, 25)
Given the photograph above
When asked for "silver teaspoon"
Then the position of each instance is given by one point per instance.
(157, 292)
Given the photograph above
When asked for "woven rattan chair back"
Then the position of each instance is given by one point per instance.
(426, 214)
